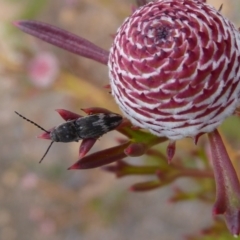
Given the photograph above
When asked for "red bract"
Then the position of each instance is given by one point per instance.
(174, 68)
(228, 187)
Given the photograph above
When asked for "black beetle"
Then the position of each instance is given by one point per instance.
(79, 127)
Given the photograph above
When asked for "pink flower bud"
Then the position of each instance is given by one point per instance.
(43, 69)
(174, 68)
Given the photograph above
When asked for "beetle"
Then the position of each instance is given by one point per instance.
(78, 127)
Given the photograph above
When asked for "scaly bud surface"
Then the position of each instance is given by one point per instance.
(174, 68)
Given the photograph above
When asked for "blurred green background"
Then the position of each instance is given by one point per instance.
(46, 201)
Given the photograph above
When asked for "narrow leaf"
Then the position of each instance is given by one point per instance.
(101, 158)
(227, 184)
(63, 39)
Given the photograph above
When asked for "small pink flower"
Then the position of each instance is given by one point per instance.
(48, 227)
(29, 181)
(43, 69)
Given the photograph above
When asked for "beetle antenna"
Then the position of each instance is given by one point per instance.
(46, 151)
(31, 122)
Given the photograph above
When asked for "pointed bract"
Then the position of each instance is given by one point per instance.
(86, 146)
(67, 115)
(94, 110)
(136, 149)
(45, 135)
(171, 148)
(227, 184)
(101, 158)
(63, 39)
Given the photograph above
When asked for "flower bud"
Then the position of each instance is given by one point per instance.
(174, 68)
